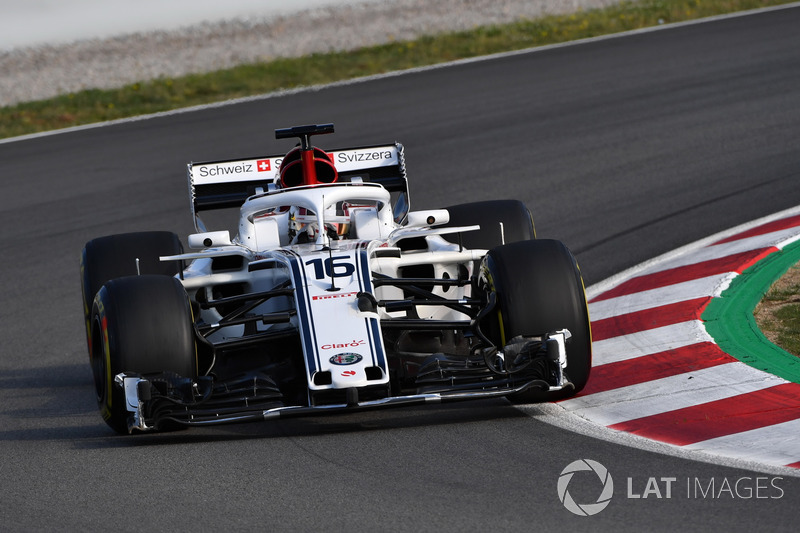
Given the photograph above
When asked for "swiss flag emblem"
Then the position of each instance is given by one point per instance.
(263, 165)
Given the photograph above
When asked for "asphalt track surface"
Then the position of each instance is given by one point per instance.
(624, 148)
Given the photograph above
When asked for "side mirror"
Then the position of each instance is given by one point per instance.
(198, 241)
(431, 217)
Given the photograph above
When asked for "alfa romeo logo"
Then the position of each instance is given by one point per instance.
(585, 509)
(345, 358)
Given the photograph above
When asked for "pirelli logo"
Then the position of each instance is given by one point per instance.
(334, 296)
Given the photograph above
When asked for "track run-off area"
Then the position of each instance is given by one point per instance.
(679, 360)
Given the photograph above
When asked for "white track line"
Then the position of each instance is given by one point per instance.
(671, 393)
(648, 342)
(775, 445)
(671, 294)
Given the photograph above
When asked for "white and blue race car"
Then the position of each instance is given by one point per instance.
(332, 296)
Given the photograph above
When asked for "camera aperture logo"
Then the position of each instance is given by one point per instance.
(585, 509)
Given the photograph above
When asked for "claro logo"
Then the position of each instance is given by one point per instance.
(338, 346)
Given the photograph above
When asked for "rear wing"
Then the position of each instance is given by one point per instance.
(224, 184)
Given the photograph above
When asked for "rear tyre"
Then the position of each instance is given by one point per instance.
(539, 289)
(115, 256)
(501, 222)
(139, 324)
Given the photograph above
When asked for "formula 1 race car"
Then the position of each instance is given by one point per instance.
(333, 296)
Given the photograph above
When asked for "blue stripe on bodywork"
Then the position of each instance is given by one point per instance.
(304, 315)
(373, 326)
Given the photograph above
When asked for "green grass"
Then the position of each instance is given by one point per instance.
(788, 318)
(780, 320)
(782, 293)
(164, 94)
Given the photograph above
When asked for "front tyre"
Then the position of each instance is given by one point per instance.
(125, 254)
(539, 289)
(143, 325)
(501, 222)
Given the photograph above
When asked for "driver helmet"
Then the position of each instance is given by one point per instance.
(291, 169)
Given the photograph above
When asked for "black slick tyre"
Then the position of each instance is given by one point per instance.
(501, 222)
(539, 289)
(143, 325)
(115, 256)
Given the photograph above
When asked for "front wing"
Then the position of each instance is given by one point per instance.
(171, 400)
